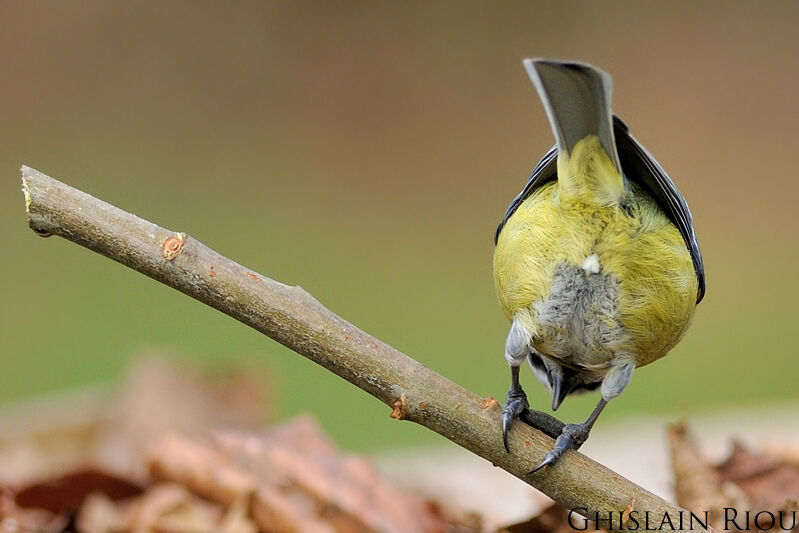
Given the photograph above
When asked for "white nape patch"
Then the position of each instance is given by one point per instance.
(591, 264)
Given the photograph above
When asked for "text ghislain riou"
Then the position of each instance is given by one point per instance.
(683, 521)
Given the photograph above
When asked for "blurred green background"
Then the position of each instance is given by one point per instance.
(366, 152)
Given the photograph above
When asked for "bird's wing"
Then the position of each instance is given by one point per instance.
(639, 166)
(545, 171)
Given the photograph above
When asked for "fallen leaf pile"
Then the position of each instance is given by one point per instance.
(747, 491)
(174, 451)
(178, 452)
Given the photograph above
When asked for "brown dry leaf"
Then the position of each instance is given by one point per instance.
(277, 512)
(161, 398)
(170, 508)
(771, 484)
(736, 490)
(303, 483)
(100, 514)
(237, 519)
(698, 486)
(206, 471)
(346, 491)
(166, 508)
(16, 519)
(65, 494)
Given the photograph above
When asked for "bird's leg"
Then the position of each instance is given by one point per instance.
(515, 404)
(572, 437)
(517, 350)
(516, 407)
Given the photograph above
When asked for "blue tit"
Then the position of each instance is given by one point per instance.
(596, 264)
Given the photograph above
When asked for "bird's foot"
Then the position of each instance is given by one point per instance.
(515, 405)
(572, 437)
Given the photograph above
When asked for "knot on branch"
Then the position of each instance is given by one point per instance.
(173, 246)
(400, 408)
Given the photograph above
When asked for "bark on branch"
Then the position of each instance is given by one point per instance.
(291, 316)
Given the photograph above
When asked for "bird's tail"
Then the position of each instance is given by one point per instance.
(576, 97)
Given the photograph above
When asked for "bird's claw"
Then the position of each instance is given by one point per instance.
(549, 459)
(515, 405)
(572, 437)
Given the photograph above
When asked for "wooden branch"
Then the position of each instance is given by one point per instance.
(291, 316)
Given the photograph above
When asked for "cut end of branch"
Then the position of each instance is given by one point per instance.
(29, 174)
(26, 172)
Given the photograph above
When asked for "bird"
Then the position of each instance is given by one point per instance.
(596, 261)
